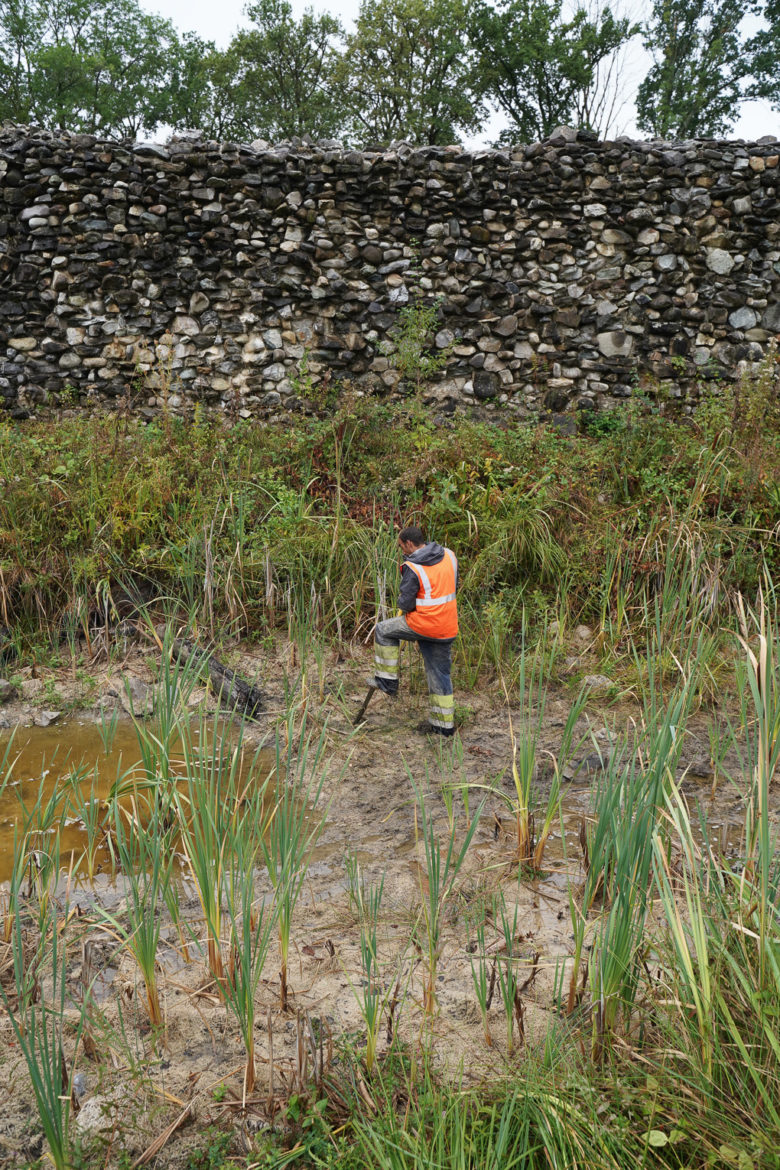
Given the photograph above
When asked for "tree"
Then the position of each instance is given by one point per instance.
(275, 80)
(408, 72)
(543, 70)
(696, 84)
(86, 65)
(203, 95)
(764, 53)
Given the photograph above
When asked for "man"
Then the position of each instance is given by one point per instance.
(429, 616)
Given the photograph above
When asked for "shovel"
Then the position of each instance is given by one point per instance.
(358, 718)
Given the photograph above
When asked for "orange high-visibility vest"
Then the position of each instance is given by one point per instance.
(436, 615)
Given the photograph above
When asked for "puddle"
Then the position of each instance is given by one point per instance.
(70, 762)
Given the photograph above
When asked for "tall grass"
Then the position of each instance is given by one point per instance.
(251, 922)
(144, 843)
(534, 1122)
(722, 972)
(531, 673)
(293, 826)
(39, 1024)
(231, 520)
(443, 863)
(206, 807)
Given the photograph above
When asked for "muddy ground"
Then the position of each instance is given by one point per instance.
(133, 1086)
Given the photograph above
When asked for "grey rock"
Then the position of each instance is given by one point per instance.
(565, 424)
(563, 134)
(584, 768)
(7, 692)
(46, 718)
(615, 343)
(486, 385)
(136, 697)
(598, 684)
(506, 326)
(702, 769)
(275, 372)
(771, 318)
(744, 318)
(719, 261)
(40, 209)
(101, 1113)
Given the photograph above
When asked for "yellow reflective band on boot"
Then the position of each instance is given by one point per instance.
(442, 711)
(386, 661)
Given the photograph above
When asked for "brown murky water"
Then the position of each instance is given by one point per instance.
(67, 766)
(48, 764)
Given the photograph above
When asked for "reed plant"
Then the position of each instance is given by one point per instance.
(206, 806)
(760, 639)
(250, 922)
(144, 843)
(443, 864)
(85, 804)
(107, 729)
(11, 897)
(506, 966)
(719, 995)
(40, 1024)
(39, 828)
(531, 672)
(161, 758)
(371, 997)
(483, 976)
(294, 824)
(597, 843)
(625, 829)
(683, 896)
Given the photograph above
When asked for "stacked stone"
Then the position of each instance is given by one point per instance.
(257, 278)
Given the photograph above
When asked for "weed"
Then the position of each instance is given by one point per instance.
(414, 360)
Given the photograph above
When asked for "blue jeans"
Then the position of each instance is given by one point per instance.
(437, 657)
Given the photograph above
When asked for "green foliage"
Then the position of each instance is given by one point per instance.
(276, 77)
(414, 359)
(764, 51)
(215, 1155)
(695, 85)
(106, 68)
(407, 73)
(543, 69)
(297, 523)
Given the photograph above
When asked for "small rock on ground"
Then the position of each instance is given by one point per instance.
(135, 696)
(46, 718)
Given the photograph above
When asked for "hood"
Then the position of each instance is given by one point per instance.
(430, 554)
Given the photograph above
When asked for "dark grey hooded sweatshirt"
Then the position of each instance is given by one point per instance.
(430, 554)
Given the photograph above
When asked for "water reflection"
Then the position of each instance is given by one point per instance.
(71, 770)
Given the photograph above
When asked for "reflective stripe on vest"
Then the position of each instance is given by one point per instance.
(436, 615)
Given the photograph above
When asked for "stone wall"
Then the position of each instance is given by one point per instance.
(259, 280)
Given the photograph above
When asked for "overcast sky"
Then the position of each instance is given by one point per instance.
(218, 20)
